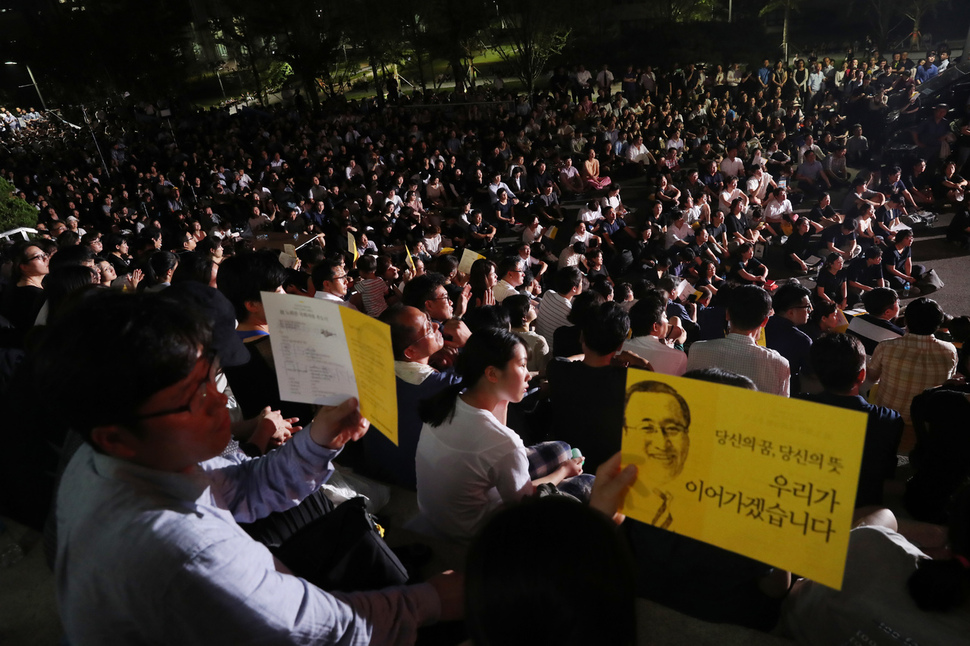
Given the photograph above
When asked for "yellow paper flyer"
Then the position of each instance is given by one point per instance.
(325, 353)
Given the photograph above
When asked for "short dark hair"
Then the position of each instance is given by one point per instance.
(924, 316)
(402, 335)
(837, 359)
(788, 296)
(721, 376)
(487, 317)
(507, 264)
(567, 279)
(607, 327)
(748, 307)
(73, 255)
(517, 305)
(420, 289)
(502, 572)
(880, 299)
(324, 271)
(159, 338)
(647, 312)
(367, 264)
(241, 278)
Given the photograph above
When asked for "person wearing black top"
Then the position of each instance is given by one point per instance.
(830, 284)
(798, 247)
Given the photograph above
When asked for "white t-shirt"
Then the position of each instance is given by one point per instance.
(466, 469)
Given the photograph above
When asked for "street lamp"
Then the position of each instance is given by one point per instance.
(32, 80)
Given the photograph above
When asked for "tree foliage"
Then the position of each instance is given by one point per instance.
(530, 32)
(14, 211)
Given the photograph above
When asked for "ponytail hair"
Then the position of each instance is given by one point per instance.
(486, 347)
(942, 585)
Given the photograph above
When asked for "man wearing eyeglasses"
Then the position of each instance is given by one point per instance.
(415, 339)
(331, 282)
(149, 549)
(656, 429)
(512, 277)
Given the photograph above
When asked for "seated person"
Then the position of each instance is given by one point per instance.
(799, 248)
(887, 220)
(941, 457)
(841, 239)
(586, 397)
(890, 588)
(744, 268)
(822, 214)
(792, 305)
(830, 285)
(776, 209)
(147, 506)
(864, 272)
(897, 263)
(508, 585)
(653, 335)
(242, 278)
(469, 463)
(701, 580)
(952, 185)
(920, 185)
(839, 362)
(882, 309)
(414, 339)
(810, 176)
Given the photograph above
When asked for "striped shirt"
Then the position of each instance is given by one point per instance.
(553, 310)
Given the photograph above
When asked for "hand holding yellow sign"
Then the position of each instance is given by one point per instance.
(768, 477)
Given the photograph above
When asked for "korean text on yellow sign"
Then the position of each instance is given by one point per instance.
(768, 477)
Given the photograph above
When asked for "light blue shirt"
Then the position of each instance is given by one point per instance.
(150, 557)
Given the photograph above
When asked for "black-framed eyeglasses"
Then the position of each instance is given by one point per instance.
(199, 395)
(43, 256)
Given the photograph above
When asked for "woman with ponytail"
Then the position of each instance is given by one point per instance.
(469, 462)
(892, 592)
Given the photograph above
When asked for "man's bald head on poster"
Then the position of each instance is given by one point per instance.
(659, 417)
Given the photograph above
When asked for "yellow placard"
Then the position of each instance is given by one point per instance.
(765, 476)
(761, 340)
(369, 345)
(409, 260)
(352, 245)
(551, 232)
(468, 258)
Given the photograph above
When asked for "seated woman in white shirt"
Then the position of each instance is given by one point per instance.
(469, 463)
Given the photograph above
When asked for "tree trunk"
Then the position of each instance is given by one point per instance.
(254, 68)
(377, 83)
(458, 71)
(310, 87)
(784, 29)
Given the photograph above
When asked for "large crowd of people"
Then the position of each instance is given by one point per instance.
(133, 328)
